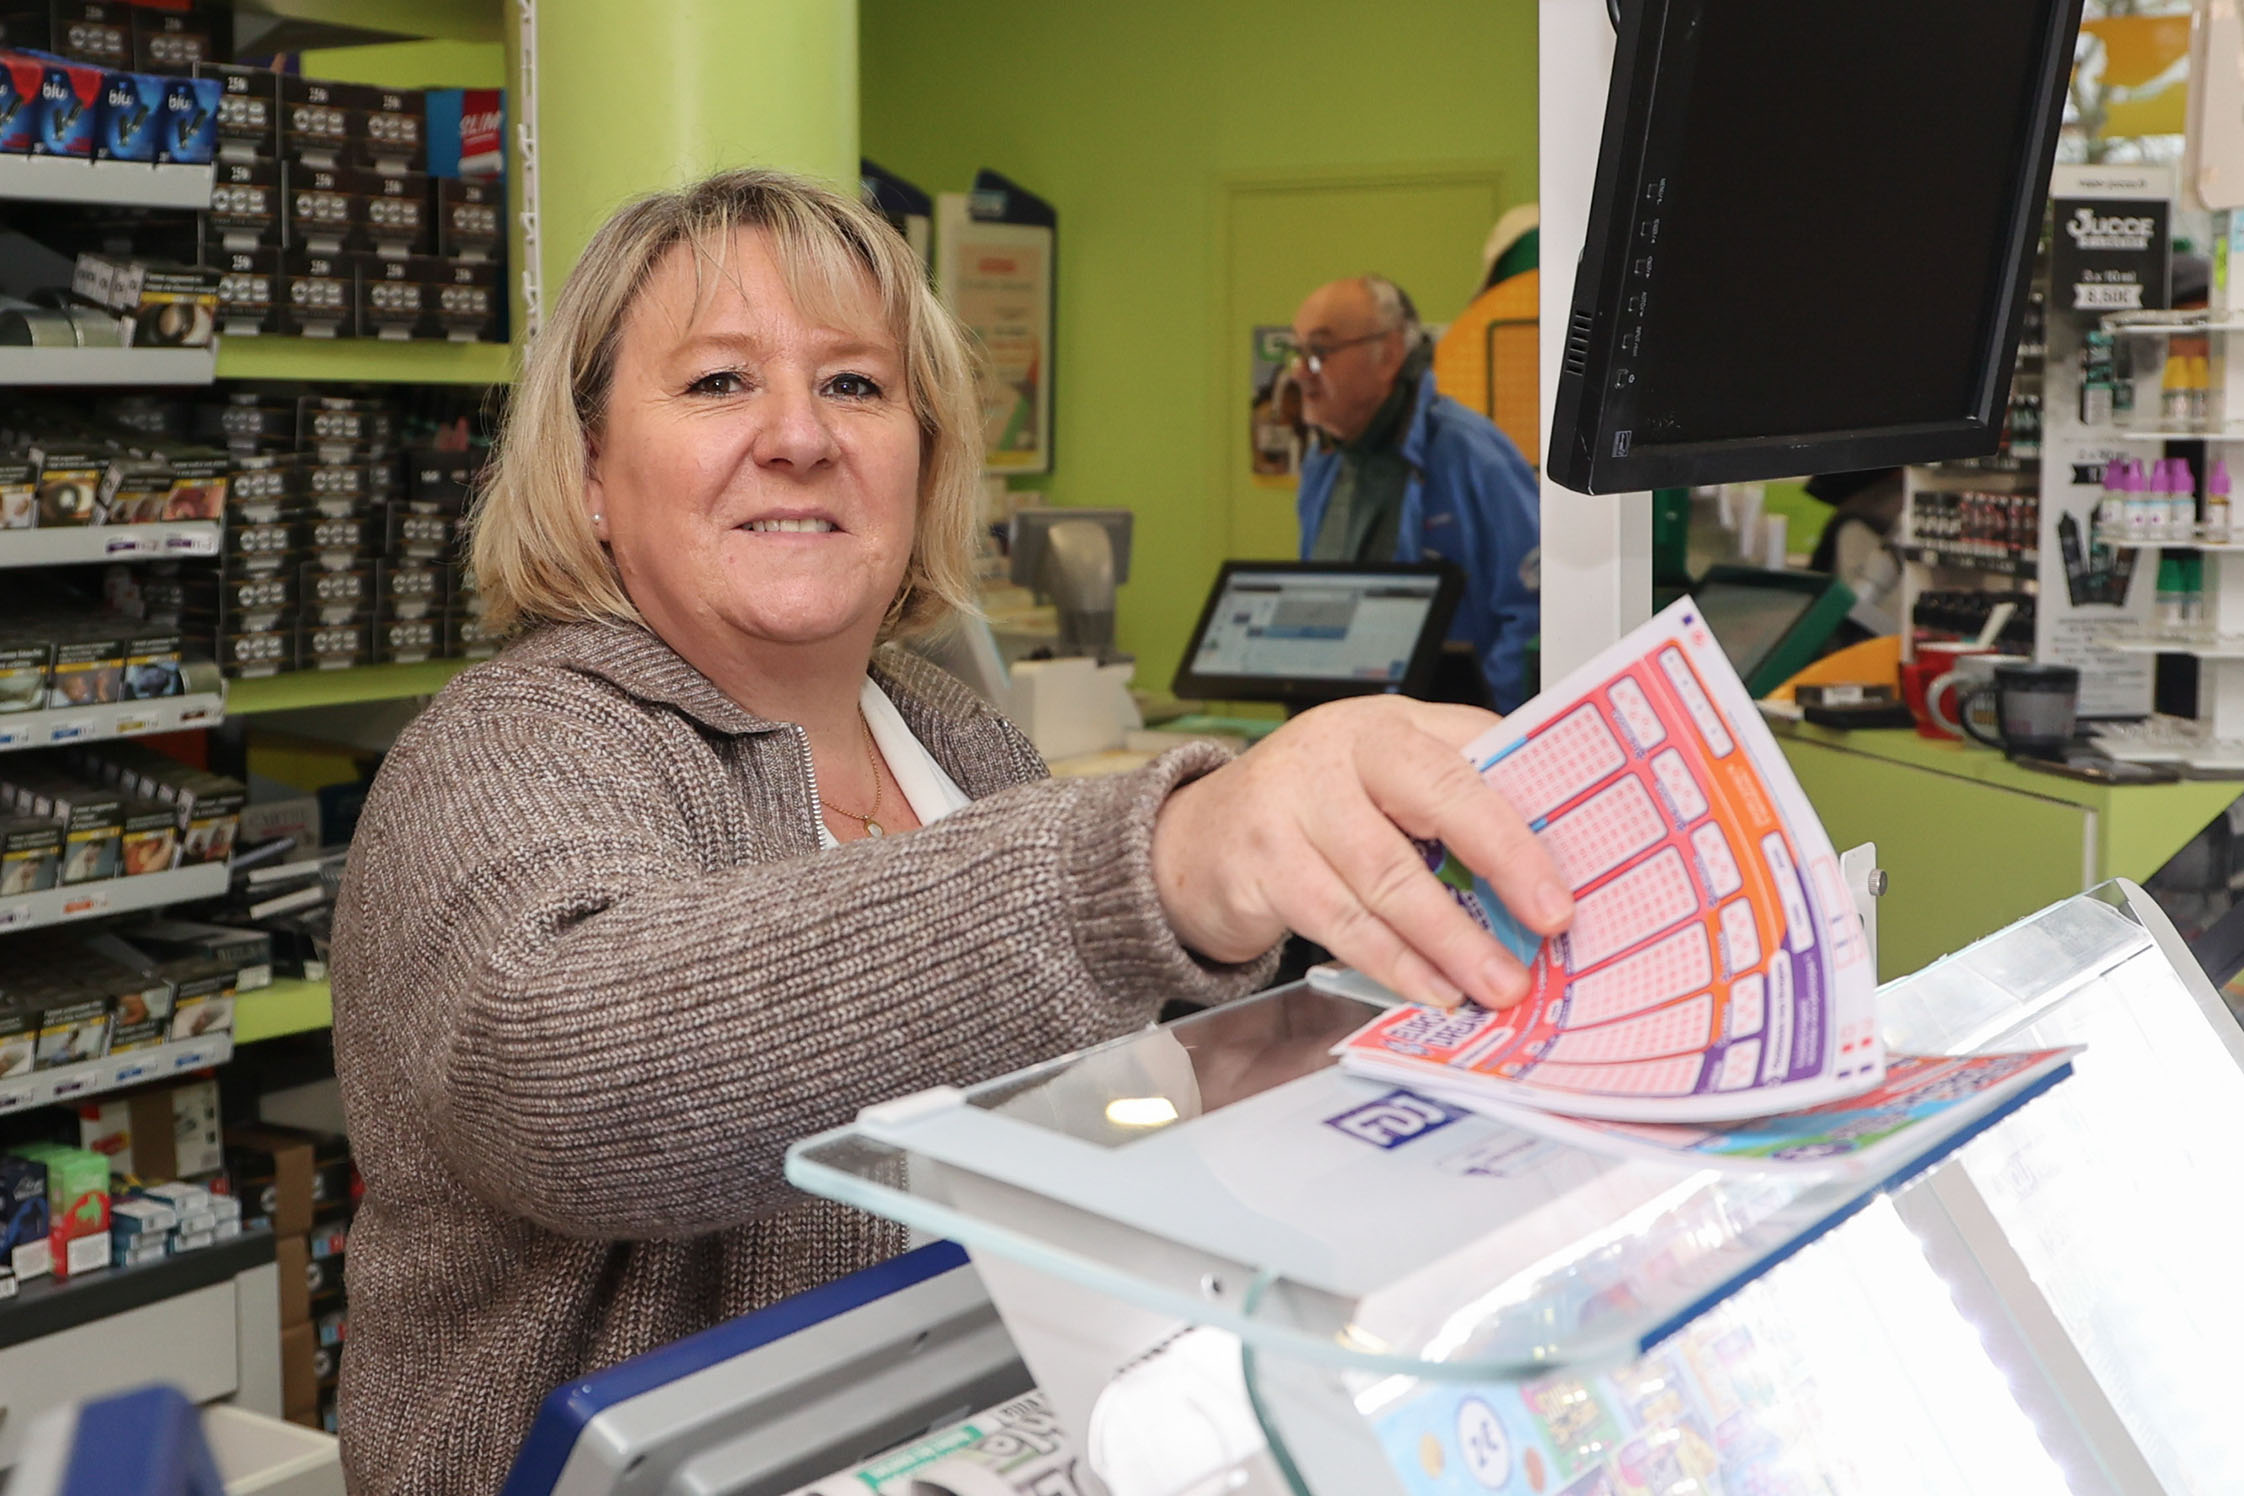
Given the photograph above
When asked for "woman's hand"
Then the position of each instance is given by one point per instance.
(1310, 832)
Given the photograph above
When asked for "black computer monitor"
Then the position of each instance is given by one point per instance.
(1301, 632)
(1810, 237)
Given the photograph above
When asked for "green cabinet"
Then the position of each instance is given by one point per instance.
(1971, 842)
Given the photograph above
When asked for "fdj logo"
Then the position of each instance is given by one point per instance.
(1393, 1120)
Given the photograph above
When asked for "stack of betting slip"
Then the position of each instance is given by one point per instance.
(1713, 998)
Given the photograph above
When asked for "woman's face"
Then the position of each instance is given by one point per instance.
(756, 473)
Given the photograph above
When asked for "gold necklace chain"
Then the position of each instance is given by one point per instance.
(880, 787)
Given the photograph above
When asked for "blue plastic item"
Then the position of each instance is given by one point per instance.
(148, 1442)
(571, 1407)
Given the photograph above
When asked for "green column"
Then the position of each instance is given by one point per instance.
(638, 95)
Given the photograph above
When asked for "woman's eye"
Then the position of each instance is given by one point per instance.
(723, 382)
(854, 387)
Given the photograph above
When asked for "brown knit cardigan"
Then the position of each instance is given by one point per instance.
(593, 975)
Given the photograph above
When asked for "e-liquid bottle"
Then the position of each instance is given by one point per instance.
(2145, 509)
(2170, 592)
(2216, 502)
(2173, 393)
(2096, 378)
(2181, 501)
(2111, 510)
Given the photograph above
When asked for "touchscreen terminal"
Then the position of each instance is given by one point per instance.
(1304, 632)
(1770, 624)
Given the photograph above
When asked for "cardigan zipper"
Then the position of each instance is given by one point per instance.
(810, 776)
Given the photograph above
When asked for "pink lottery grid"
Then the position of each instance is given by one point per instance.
(1644, 900)
(1660, 973)
(1679, 1028)
(1604, 831)
(1556, 764)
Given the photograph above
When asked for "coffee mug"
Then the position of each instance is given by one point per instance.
(1915, 676)
(2034, 707)
(1945, 695)
(1923, 678)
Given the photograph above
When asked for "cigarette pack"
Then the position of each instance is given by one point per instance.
(25, 1218)
(204, 1000)
(141, 1215)
(19, 1038)
(77, 1205)
(30, 857)
(132, 117)
(20, 77)
(181, 1195)
(73, 1030)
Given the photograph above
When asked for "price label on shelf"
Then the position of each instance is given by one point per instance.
(70, 730)
(127, 726)
(128, 1074)
(2107, 298)
(124, 545)
(194, 714)
(192, 542)
(90, 902)
(13, 914)
(16, 1098)
(15, 737)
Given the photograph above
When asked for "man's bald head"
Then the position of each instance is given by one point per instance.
(1360, 330)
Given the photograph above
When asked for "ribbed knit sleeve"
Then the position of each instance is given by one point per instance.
(602, 1034)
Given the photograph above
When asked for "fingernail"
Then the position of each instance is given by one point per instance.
(1505, 982)
(1553, 903)
(1441, 993)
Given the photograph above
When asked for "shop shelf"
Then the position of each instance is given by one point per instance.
(2203, 646)
(65, 545)
(308, 688)
(366, 359)
(288, 1006)
(54, 906)
(2187, 545)
(114, 719)
(47, 1306)
(2225, 434)
(159, 366)
(113, 1072)
(2156, 323)
(123, 184)
(2007, 566)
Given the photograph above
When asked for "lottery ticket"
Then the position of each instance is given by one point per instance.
(1862, 1136)
(1016, 1449)
(1715, 969)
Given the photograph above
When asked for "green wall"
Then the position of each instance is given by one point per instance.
(1134, 119)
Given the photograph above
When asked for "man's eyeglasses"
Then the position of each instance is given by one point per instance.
(1312, 356)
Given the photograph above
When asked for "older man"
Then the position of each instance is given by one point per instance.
(1403, 473)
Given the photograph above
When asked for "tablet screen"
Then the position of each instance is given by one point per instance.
(1360, 627)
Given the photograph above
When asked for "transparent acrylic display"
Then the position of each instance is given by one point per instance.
(2046, 1312)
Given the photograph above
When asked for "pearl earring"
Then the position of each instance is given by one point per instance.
(599, 519)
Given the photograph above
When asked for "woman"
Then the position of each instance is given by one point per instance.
(633, 906)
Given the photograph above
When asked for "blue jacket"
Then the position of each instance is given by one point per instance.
(1474, 501)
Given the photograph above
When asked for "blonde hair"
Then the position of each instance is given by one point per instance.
(534, 552)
